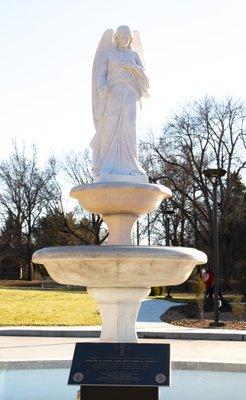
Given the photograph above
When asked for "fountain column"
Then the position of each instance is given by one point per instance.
(118, 309)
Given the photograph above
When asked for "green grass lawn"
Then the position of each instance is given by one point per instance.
(40, 307)
(184, 297)
(47, 307)
(177, 297)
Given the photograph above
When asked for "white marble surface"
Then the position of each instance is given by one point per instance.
(120, 197)
(119, 266)
(119, 277)
(120, 228)
(121, 178)
(118, 310)
(120, 204)
(118, 83)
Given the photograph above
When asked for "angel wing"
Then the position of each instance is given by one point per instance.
(137, 45)
(105, 44)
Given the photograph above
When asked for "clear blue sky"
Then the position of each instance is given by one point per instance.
(192, 48)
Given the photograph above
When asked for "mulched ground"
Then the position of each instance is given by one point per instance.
(189, 315)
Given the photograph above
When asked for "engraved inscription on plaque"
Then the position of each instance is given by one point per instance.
(126, 364)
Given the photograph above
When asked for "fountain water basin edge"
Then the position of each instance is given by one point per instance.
(119, 277)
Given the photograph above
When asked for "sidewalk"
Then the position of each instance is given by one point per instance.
(23, 352)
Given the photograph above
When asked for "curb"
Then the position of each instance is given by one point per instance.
(193, 336)
(237, 336)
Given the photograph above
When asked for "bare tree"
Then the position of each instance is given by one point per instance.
(204, 134)
(64, 228)
(26, 192)
(78, 167)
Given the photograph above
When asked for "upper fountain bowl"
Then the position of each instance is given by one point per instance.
(120, 197)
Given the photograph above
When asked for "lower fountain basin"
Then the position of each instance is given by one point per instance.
(119, 266)
(118, 277)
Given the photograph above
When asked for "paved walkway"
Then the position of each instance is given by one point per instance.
(151, 310)
(225, 355)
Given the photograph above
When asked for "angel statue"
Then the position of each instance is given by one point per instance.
(118, 84)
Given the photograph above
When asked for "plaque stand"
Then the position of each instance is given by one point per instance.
(119, 393)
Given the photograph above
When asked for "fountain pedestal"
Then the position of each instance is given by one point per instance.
(118, 309)
(120, 227)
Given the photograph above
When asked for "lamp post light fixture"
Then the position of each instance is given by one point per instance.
(215, 174)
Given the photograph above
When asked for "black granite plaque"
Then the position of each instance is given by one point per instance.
(123, 364)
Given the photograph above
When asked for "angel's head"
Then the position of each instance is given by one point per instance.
(123, 37)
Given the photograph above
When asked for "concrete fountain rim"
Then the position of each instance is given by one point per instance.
(121, 185)
(90, 252)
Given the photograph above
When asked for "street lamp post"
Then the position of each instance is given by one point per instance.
(148, 228)
(215, 175)
(168, 215)
(138, 233)
(167, 229)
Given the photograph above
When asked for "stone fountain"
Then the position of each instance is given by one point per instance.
(119, 275)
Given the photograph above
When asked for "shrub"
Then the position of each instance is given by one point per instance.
(199, 290)
(238, 308)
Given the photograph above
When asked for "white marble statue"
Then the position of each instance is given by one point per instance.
(118, 84)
